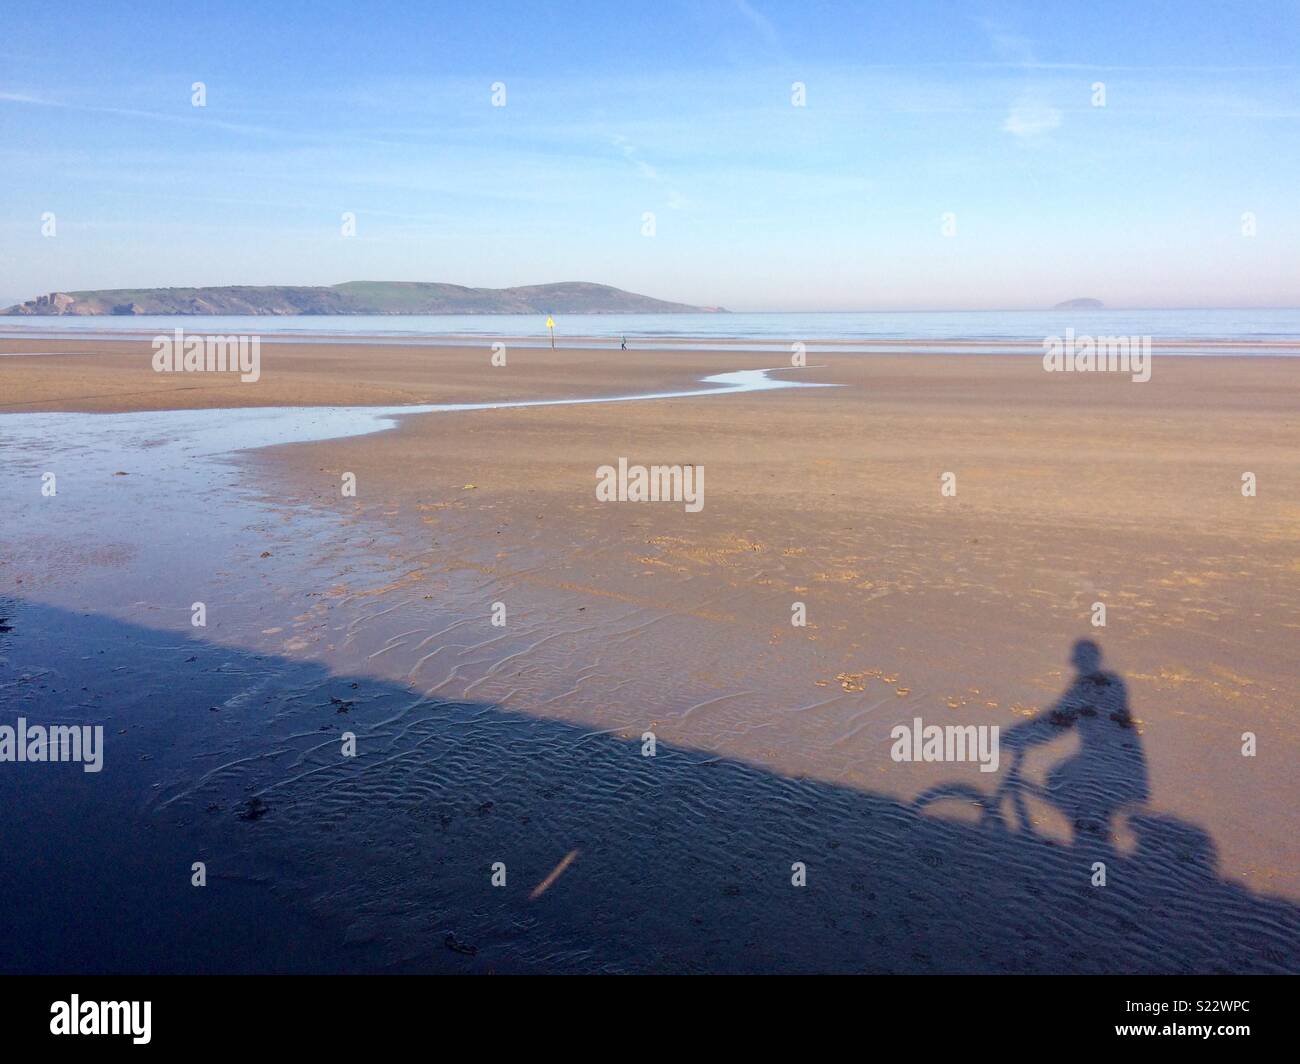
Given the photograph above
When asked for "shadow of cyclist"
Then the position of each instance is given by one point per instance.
(1108, 773)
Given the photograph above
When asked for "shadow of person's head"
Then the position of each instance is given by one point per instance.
(1086, 657)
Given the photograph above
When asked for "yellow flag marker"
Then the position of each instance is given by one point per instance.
(550, 324)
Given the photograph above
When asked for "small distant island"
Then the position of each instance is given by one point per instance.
(355, 297)
(1080, 304)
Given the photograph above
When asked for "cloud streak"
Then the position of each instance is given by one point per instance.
(1031, 119)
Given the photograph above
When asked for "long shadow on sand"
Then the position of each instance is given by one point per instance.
(613, 861)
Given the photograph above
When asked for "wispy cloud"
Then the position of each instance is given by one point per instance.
(135, 113)
(650, 173)
(1012, 48)
(1028, 118)
(759, 21)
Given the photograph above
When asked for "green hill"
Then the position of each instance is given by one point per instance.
(356, 297)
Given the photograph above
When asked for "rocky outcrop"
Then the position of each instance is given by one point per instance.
(54, 303)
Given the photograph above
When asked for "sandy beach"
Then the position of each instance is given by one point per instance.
(522, 742)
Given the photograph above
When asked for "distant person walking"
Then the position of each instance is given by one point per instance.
(623, 345)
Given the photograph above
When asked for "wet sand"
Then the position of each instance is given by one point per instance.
(625, 618)
(106, 376)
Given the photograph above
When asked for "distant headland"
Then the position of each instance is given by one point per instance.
(356, 297)
(1080, 304)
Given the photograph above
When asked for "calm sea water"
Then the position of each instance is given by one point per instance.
(761, 329)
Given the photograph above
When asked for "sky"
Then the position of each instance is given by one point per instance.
(946, 155)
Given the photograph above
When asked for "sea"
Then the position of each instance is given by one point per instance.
(1189, 330)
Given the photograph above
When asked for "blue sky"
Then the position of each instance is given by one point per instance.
(683, 110)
